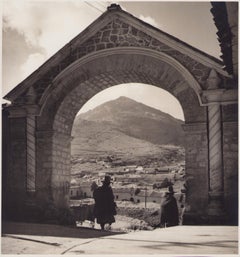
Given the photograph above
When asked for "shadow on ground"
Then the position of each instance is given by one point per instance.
(18, 228)
(227, 244)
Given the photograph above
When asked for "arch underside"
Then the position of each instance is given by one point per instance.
(79, 83)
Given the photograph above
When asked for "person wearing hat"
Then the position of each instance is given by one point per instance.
(105, 207)
(169, 211)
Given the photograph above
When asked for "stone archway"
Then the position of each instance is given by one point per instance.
(125, 65)
(43, 109)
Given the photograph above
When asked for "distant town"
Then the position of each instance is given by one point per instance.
(133, 183)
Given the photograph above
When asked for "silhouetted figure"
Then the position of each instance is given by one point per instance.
(105, 207)
(169, 210)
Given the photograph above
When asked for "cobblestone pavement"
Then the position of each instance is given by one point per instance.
(28, 238)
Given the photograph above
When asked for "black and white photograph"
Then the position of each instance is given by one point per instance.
(119, 128)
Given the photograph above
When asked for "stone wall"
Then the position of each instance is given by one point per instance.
(17, 170)
(61, 156)
(120, 34)
(230, 161)
(112, 70)
(116, 34)
(53, 168)
(197, 179)
(5, 162)
(44, 166)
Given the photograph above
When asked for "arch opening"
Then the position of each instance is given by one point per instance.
(127, 132)
(149, 95)
(80, 82)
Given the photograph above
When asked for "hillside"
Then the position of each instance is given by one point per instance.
(123, 122)
(104, 137)
(128, 130)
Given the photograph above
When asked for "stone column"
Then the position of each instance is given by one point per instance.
(30, 201)
(44, 166)
(53, 168)
(216, 189)
(215, 97)
(17, 168)
(31, 155)
(196, 151)
(21, 167)
(61, 170)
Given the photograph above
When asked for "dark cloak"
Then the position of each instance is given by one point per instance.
(105, 207)
(169, 212)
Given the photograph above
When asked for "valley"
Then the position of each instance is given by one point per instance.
(141, 148)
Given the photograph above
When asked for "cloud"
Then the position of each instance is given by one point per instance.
(33, 62)
(42, 24)
(149, 20)
(46, 26)
(21, 17)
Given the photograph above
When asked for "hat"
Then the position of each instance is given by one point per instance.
(170, 190)
(107, 179)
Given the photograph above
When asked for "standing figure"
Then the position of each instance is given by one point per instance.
(105, 207)
(169, 210)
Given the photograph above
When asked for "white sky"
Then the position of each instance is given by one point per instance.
(147, 94)
(34, 30)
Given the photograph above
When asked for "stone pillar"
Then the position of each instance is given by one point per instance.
(196, 155)
(44, 166)
(21, 156)
(52, 178)
(53, 168)
(31, 155)
(216, 190)
(5, 163)
(30, 205)
(17, 168)
(230, 162)
(61, 171)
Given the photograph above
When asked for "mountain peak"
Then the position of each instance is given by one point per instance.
(124, 98)
(136, 120)
(123, 105)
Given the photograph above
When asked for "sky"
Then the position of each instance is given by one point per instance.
(34, 30)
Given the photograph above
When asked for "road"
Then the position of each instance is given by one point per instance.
(30, 238)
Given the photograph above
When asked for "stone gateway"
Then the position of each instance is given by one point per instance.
(119, 48)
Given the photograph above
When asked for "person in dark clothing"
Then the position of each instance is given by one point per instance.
(105, 207)
(169, 210)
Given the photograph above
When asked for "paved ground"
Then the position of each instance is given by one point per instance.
(26, 238)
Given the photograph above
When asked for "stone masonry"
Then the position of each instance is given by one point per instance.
(116, 49)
